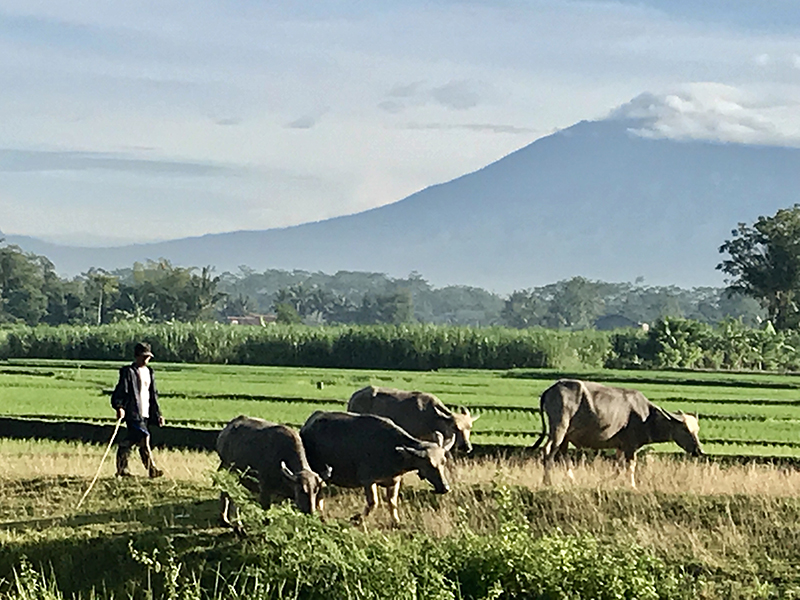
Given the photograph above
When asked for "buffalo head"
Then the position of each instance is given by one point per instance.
(429, 460)
(456, 426)
(307, 486)
(685, 430)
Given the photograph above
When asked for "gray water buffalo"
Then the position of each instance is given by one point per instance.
(370, 451)
(274, 464)
(591, 415)
(420, 414)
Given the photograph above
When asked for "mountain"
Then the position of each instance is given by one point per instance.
(594, 200)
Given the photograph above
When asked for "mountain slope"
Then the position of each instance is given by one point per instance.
(592, 200)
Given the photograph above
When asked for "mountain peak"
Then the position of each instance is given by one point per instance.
(643, 192)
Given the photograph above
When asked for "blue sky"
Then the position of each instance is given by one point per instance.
(141, 121)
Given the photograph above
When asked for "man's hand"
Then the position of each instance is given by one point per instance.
(120, 413)
(161, 421)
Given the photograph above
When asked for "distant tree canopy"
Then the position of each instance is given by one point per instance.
(578, 303)
(764, 262)
(157, 291)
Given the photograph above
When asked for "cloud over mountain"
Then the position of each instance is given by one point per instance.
(713, 112)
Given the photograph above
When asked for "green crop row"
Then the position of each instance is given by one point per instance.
(208, 395)
(411, 347)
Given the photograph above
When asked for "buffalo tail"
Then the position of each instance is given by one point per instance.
(542, 435)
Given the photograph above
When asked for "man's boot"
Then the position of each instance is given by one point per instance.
(147, 459)
(123, 451)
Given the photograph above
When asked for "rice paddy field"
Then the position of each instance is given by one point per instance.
(740, 414)
(693, 529)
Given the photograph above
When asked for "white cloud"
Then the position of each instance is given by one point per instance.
(716, 112)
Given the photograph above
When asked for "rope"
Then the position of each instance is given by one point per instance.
(96, 475)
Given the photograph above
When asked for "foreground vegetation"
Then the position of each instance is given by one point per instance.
(693, 530)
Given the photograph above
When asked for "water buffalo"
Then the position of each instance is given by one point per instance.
(369, 451)
(274, 462)
(591, 415)
(420, 414)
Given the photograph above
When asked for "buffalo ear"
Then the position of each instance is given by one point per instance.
(475, 418)
(287, 472)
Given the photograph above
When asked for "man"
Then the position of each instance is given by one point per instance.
(136, 400)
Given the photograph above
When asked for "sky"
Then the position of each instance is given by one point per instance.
(140, 121)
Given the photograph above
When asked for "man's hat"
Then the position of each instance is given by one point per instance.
(142, 348)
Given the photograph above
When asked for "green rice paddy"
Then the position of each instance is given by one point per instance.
(740, 413)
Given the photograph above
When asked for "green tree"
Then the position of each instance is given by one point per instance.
(25, 280)
(158, 291)
(238, 305)
(286, 313)
(102, 288)
(523, 308)
(394, 308)
(576, 304)
(764, 263)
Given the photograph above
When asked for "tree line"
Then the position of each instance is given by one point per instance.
(763, 261)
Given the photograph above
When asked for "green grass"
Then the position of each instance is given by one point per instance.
(766, 408)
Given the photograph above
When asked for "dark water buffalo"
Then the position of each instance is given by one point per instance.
(591, 415)
(274, 462)
(369, 451)
(420, 414)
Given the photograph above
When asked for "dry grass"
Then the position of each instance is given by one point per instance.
(738, 522)
(44, 479)
(25, 459)
(34, 459)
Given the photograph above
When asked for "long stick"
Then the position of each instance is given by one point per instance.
(96, 475)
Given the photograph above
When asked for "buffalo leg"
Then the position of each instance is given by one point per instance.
(371, 494)
(392, 494)
(626, 461)
(552, 448)
(228, 511)
(631, 460)
(564, 454)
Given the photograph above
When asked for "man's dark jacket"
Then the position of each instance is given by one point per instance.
(126, 394)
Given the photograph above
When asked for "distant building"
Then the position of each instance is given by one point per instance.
(262, 320)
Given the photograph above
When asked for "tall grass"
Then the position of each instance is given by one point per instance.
(411, 347)
(692, 530)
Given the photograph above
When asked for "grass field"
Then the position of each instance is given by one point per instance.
(750, 413)
(716, 532)
(693, 529)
